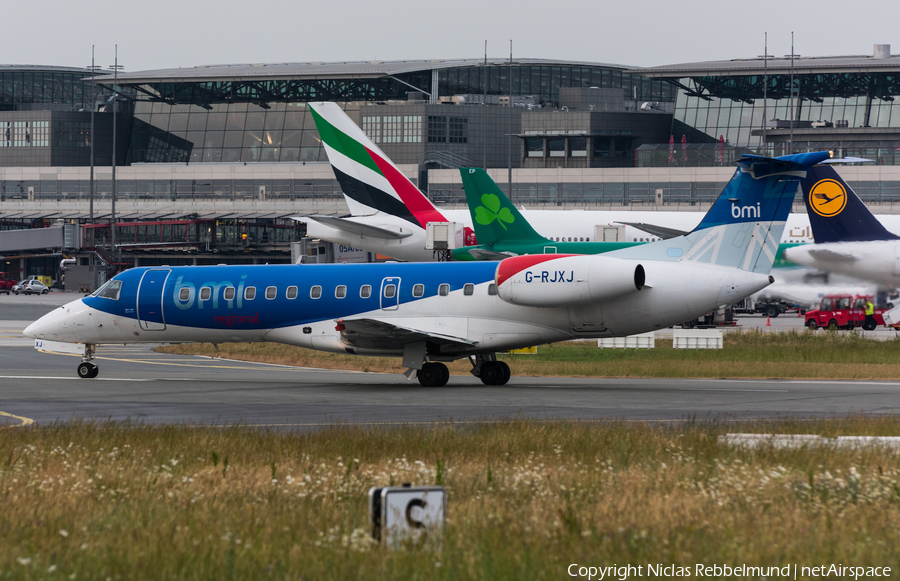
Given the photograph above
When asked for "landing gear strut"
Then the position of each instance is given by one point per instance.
(489, 370)
(87, 370)
(433, 375)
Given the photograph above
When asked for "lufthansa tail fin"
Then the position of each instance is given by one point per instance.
(836, 214)
(366, 175)
(743, 227)
(494, 218)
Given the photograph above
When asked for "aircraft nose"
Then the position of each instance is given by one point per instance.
(50, 326)
(43, 327)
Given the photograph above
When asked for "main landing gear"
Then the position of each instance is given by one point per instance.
(87, 370)
(433, 374)
(489, 370)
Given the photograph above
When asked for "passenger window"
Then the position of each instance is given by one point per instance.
(111, 290)
(249, 293)
(315, 292)
(444, 290)
(365, 291)
(205, 293)
(229, 293)
(389, 291)
(340, 292)
(271, 292)
(418, 290)
(469, 289)
(492, 289)
(184, 294)
(291, 293)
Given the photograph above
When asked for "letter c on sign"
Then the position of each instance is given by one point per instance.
(569, 570)
(409, 519)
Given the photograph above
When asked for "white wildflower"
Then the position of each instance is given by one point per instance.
(63, 533)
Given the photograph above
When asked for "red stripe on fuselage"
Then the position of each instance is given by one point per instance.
(417, 203)
(511, 266)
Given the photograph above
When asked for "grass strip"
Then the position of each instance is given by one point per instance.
(751, 354)
(525, 499)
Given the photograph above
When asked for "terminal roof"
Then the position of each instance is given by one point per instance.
(314, 70)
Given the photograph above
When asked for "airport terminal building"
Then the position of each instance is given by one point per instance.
(212, 161)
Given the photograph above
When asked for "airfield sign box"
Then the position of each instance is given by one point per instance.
(406, 513)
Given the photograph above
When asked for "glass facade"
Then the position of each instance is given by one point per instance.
(224, 132)
(18, 87)
(267, 120)
(732, 106)
(544, 81)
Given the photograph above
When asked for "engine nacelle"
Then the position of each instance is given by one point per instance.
(561, 280)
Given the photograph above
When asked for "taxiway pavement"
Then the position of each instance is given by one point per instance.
(138, 384)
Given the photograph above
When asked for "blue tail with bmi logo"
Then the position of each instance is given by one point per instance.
(836, 214)
(744, 226)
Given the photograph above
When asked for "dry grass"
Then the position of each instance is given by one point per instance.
(750, 354)
(526, 500)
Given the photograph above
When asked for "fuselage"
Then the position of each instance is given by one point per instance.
(306, 306)
(558, 226)
(877, 261)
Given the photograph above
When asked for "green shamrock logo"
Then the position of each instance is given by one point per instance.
(491, 211)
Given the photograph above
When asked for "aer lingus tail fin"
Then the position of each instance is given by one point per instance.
(494, 217)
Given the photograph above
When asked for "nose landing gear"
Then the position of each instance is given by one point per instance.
(87, 370)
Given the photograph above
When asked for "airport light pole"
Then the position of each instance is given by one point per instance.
(93, 103)
(112, 226)
(791, 135)
(765, 56)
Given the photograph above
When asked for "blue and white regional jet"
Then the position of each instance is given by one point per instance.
(428, 313)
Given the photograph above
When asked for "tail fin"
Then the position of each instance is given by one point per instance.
(744, 226)
(494, 217)
(836, 214)
(365, 173)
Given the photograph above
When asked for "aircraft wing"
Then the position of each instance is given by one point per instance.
(358, 227)
(660, 231)
(376, 333)
(831, 255)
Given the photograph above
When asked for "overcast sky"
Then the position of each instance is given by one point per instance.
(183, 33)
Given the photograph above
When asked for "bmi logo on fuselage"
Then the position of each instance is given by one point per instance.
(745, 211)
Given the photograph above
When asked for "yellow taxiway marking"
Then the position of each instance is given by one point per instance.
(25, 421)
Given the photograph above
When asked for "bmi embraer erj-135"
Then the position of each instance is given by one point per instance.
(389, 214)
(428, 313)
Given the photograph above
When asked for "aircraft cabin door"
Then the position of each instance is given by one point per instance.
(390, 293)
(150, 300)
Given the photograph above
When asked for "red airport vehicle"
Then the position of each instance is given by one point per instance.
(6, 283)
(842, 311)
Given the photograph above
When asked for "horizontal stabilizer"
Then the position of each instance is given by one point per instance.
(482, 254)
(358, 228)
(653, 230)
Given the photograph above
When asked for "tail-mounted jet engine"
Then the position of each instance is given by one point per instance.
(559, 280)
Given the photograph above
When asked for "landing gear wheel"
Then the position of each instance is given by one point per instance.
(88, 370)
(433, 375)
(812, 325)
(507, 373)
(492, 373)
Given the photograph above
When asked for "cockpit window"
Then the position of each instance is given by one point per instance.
(110, 290)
